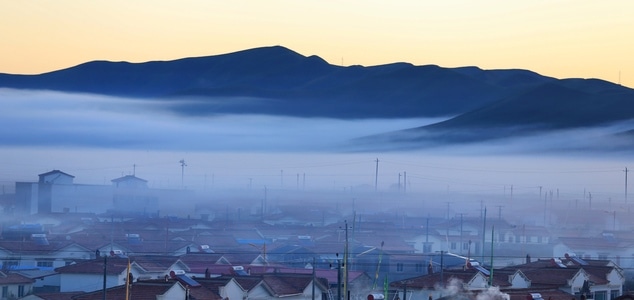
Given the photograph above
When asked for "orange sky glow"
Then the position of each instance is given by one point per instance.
(558, 38)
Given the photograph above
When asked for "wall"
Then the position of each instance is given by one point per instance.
(87, 282)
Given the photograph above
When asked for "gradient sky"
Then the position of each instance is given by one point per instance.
(559, 38)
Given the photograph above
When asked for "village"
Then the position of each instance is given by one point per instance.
(130, 244)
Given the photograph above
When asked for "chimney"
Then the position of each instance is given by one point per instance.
(528, 258)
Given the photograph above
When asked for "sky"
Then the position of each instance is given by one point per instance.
(558, 38)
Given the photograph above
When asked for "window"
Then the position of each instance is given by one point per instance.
(453, 245)
(427, 248)
(465, 246)
(419, 268)
(45, 264)
(602, 295)
(8, 264)
(614, 294)
(21, 291)
(399, 267)
(501, 237)
(517, 238)
(5, 291)
(539, 239)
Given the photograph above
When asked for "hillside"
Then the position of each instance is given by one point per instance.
(280, 81)
(482, 104)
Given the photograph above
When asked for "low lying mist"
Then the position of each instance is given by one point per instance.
(97, 139)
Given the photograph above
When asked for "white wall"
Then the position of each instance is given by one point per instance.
(87, 282)
(13, 289)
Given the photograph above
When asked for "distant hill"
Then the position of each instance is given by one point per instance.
(274, 80)
(547, 108)
(277, 80)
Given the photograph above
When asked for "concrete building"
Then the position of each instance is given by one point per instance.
(56, 192)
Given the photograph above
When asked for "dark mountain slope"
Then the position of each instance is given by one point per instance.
(547, 108)
(276, 80)
(486, 104)
(271, 67)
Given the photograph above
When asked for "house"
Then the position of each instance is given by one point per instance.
(139, 290)
(224, 287)
(600, 280)
(445, 283)
(602, 246)
(597, 279)
(40, 252)
(44, 280)
(359, 283)
(51, 296)
(91, 275)
(88, 275)
(14, 285)
(288, 287)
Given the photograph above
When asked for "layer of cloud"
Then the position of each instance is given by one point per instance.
(45, 118)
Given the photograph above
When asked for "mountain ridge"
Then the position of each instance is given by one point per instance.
(279, 81)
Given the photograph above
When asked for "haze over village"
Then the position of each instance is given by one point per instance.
(298, 150)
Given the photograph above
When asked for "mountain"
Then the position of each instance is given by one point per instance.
(482, 104)
(276, 80)
(554, 109)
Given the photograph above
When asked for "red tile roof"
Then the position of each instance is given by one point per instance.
(58, 295)
(95, 266)
(281, 285)
(13, 278)
(137, 291)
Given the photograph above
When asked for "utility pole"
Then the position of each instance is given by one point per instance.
(105, 266)
(442, 267)
(626, 185)
(484, 227)
(491, 271)
(426, 236)
(590, 199)
(183, 165)
(264, 202)
(376, 175)
(404, 181)
(313, 278)
(461, 232)
(545, 208)
(448, 206)
(338, 277)
(345, 264)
